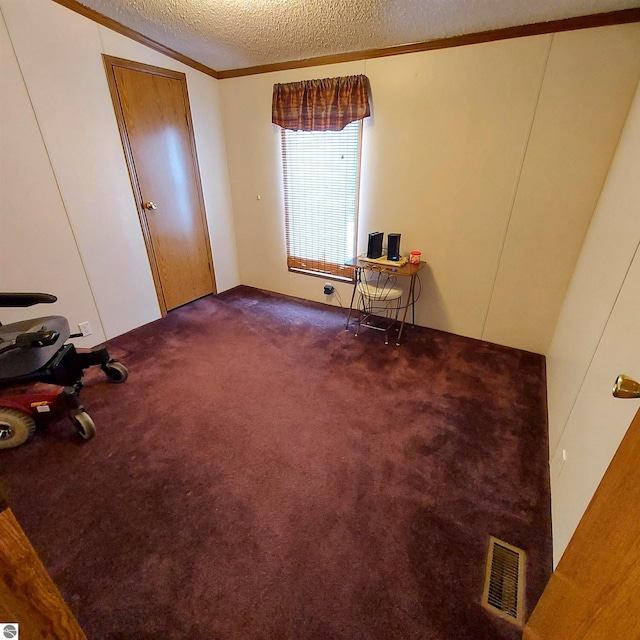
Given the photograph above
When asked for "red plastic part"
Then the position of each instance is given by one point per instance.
(48, 398)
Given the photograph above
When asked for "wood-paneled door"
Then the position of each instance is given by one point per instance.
(594, 593)
(154, 117)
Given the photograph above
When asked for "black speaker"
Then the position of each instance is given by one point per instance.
(393, 246)
(374, 248)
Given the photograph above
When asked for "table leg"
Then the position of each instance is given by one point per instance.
(404, 315)
(353, 295)
(413, 304)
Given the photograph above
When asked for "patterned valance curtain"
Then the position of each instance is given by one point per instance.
(321, 105)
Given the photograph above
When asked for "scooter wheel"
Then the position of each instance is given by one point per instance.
(15, 428)
(84, 424)
(115, 371)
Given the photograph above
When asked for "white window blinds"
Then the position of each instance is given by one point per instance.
(321, 198)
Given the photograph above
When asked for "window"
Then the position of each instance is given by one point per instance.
(320, 171)
(321, 138)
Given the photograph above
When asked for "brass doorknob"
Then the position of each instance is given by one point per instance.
(626, 387)
(150, 205)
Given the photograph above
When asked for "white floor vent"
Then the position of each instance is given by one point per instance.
(504, 581)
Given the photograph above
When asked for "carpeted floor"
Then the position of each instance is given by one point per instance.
(265, 475)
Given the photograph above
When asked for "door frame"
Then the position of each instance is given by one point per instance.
(110, 63)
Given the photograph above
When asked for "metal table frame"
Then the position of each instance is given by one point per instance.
(407, 270)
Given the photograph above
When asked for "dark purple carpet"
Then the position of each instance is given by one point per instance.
(265, 475)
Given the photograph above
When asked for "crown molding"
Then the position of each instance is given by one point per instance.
(624, 16)
(74, 5)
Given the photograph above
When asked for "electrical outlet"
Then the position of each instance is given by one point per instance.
(85, 329)
(328, 289)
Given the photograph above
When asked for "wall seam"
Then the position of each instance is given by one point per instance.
(55, 177)
(517, 185)
(99, 27)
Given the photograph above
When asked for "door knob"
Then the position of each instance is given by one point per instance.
(626, 387)
(150, 205)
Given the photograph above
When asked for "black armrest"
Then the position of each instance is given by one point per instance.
(25, 299)
(42, 338)
(31, 340)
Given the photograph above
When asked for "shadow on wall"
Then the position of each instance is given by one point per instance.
(430, 308)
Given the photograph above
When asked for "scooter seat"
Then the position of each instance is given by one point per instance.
(25, 361)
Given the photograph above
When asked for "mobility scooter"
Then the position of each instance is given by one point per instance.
(40, 372)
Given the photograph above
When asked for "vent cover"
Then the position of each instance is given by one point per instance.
(504, 581)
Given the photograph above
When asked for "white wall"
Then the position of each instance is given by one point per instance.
(59, 57)
(37, 247)
(597, 337)
(588, 85)
(488, 158)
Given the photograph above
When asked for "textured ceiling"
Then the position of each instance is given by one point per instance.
(234, 34)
